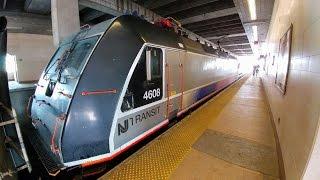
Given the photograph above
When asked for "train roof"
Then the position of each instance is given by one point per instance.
(150, 33)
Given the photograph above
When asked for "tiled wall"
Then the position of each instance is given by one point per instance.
(32, 53)
(296, 114)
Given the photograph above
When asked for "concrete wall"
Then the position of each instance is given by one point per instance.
(32, 53)
(296, 114)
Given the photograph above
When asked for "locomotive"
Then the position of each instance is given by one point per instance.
(111, 85)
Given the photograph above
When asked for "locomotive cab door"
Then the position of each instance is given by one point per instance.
(174, 84)
(143, 106)
(146, 84)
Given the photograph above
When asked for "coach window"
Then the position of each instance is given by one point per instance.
(145, 85)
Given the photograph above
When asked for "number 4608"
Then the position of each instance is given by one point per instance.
(151, 94)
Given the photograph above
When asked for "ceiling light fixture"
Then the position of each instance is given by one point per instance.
(255, 33)
(252, 9)
(253, 16)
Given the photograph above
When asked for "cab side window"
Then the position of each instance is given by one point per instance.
(145, 85)
(155, 60)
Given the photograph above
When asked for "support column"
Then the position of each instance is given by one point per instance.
(6, 165)
(65, 19)
(4, 90)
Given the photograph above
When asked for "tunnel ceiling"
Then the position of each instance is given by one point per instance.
(224, 22)
(215, 20)
(32, 6)
(27, 16)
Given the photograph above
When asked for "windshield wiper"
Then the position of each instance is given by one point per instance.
(62, 63)
(62, 60)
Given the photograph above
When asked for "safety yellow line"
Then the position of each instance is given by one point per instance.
(161, 157)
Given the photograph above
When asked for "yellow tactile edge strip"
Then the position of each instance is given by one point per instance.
(161, 157)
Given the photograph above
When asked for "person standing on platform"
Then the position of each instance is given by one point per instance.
(254, 70)
(257, 70)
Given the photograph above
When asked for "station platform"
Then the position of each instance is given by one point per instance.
(228, 137)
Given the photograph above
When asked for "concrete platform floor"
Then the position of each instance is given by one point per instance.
(229, 137)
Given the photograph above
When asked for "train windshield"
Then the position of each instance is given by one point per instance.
(70, 58)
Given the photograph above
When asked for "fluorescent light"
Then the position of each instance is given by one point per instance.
(14, 28)
(252, 9)
(255, 33)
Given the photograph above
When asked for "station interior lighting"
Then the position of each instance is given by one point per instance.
(252, 9)
(255, 33)
(253, 16)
